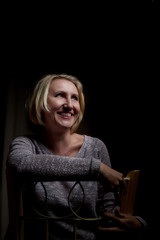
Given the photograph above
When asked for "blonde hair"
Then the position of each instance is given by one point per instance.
(38, 100)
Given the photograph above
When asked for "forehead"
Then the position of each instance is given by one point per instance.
(62, 84)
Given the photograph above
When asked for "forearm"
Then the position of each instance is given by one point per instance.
(48, 167)
(33, 162)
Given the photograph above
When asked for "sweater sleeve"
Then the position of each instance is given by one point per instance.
(106, 199)
(25, 161)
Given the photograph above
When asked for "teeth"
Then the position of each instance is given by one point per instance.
(66, 114)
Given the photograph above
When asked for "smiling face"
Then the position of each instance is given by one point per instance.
(63, 104)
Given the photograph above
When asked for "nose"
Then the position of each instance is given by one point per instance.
(68, 104)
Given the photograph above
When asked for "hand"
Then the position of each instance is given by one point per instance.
(122, 222)
(113, 177)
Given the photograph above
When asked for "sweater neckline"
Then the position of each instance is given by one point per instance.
(78, 153)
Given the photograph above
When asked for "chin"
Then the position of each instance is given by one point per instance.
(65, 127)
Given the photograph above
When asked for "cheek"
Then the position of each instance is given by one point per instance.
(77, 108)
(53, 105)
(48, 116)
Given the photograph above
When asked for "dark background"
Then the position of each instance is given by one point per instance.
(114, 50)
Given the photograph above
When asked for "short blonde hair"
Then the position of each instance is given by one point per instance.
(38, 100)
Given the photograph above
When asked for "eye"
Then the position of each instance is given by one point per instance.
(59, 95)
(75, 97)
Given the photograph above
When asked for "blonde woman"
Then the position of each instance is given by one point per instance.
(55, 157)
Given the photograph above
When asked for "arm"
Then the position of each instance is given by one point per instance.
(122, 222)
(113, 219)
(31, 162)
(113, 177)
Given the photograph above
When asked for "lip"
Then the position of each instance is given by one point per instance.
(65, 115)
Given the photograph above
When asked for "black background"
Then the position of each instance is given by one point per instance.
(114, 50)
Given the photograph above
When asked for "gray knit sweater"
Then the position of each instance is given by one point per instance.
(51, 177)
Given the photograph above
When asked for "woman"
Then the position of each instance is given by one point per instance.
(56, 157)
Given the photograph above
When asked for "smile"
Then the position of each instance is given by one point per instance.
(67, 114)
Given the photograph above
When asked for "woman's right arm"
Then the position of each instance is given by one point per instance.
(29, 162)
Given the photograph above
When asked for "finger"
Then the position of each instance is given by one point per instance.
(111, 216)
(112, 229)
(123, 184)
(122, 214)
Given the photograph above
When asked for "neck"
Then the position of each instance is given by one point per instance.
(58, 141)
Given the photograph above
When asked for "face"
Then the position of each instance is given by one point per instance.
(63, 105)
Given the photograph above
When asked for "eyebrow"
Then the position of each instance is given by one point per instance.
(63, 92)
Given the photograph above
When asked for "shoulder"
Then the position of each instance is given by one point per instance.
(27, 143)
(94, 141)
(89, 140)
(98, 148)
(26, 139)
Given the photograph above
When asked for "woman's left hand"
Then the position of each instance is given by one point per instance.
(122, 222)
